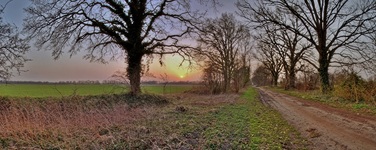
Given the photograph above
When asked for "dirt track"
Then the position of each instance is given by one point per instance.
(325, 127)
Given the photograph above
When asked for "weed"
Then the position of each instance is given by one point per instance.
(359, 106)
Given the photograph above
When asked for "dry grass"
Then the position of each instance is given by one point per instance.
(209, 100)
(64, 123)
(186, 121)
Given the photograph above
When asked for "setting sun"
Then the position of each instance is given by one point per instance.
(174, 70)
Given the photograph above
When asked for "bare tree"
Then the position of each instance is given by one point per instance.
(164, 78)
(112, 28)
(308, 79)
(337, 29)
(220, 42)
(242, 72)
(12, 48)
(291, 48)
(261, 76)
(212, 77)
(270, 58)
(296, 52)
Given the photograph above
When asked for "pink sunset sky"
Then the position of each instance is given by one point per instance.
(44, 68)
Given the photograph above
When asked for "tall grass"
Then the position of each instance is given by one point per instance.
(67, 123)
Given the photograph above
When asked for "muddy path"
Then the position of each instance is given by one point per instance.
(324, 126)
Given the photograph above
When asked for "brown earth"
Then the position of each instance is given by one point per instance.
(324, 126)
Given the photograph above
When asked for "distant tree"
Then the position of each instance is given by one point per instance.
(261, 76)
(291, 48)
(270, 58)
(220, 42)
(339, 30)
(309, 78)
(120, 77)
(12, 48)
(113, 28)
(242, 73)
(296, 51)
(212, 77)
(164, 78)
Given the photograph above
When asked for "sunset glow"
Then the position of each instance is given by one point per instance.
(174, 71)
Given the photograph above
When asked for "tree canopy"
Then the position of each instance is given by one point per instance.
(109, 29)
(339, 30)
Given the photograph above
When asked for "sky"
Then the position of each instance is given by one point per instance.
(44, 68)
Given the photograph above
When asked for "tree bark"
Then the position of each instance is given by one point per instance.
(226, 76)
(134, 73)
(324, 76)
(275, 79)
(291, 77)
(226, 80)
(291, 80)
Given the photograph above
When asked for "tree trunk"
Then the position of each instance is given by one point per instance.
(291, 77)
(275, 79)
(134, 73)
(287, 76)
(324, 77)
(227, 79)
(291, 80)
(324, 58)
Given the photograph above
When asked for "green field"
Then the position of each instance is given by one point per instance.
(58, 90)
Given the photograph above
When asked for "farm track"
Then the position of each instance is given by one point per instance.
(324, 126)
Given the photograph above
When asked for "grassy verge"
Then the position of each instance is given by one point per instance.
(328, 99)
(268, 129)
(225, 122)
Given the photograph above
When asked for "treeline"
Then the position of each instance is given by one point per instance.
(299, 43)
(347, 84)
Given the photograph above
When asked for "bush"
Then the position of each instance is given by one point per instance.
(355, 89)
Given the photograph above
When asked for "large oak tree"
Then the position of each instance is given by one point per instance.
(112, 28)
(338, 29)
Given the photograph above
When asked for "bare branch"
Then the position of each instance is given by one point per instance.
(12, 49)
(111, 28)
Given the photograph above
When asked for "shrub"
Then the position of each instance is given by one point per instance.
(355, 89)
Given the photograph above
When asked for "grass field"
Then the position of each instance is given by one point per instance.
(58, 90)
